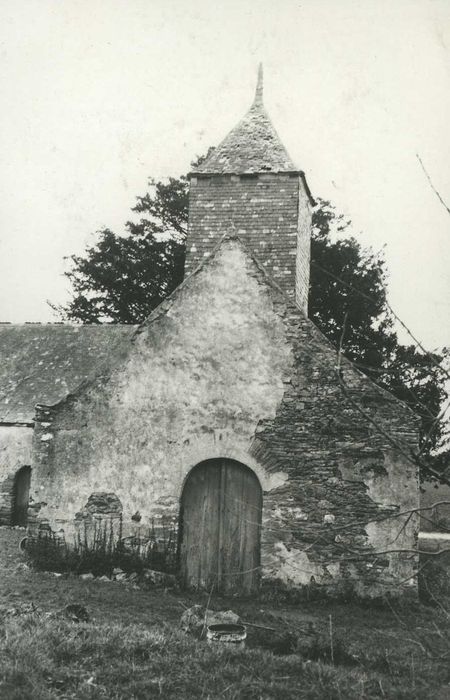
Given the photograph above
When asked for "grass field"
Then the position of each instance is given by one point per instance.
(133, 647)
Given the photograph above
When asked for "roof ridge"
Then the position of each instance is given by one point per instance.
(61, 324)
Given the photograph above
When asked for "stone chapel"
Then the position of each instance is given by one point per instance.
(226, 411)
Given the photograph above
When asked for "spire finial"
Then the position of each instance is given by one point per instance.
(259, 87)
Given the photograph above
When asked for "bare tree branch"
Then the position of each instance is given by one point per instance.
(388, 306)
(431, 184)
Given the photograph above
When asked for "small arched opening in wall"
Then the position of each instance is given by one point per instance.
(220, 528)
(20, 496)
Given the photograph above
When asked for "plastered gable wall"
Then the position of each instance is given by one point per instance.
(196, 382)
(228, 367)
(15, 453)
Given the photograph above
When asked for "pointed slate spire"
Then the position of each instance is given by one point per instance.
(253, 146)
(258, 101)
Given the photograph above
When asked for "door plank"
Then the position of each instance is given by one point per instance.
(220, 527)
(241, 527)
(199, 523)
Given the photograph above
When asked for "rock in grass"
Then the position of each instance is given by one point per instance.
(195, 618)
(222, 617)
(75, 613)
(159, 578)
(87, 577)
(21, 567)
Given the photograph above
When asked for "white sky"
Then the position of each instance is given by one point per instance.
(97, 95)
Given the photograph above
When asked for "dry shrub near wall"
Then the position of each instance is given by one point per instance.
(98, 549)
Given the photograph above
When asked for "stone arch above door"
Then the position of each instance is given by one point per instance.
(200, 451)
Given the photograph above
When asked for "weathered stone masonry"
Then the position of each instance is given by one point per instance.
(227, 366)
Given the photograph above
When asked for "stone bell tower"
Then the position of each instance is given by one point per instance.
(249, 186)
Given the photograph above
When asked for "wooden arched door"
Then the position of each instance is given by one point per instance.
(21, 494)
(220, 527)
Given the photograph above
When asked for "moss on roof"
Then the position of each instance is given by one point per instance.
(42, 363)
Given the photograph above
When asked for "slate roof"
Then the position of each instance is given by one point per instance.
(253, 146)
(43, 363)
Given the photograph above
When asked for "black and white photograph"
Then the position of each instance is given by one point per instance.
(225, 350)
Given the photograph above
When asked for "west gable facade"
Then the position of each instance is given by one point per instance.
(229, 367)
